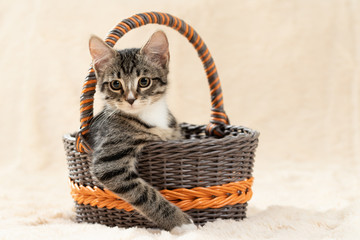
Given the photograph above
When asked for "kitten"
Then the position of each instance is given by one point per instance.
(133, 83)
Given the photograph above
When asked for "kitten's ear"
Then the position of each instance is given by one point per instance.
(101, 53)
(157, 49)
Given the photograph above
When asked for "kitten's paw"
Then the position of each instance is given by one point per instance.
(180, 230)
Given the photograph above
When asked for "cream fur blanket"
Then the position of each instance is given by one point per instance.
(289, 69)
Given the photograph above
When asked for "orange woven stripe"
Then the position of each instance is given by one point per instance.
(77, 143)
(176, 20)
(141, 20)
(220, 113)
(217, 98)
(90, 82)
(136, 22)
(85, 132)
(212, 91)
(197, 40)
(86, 101)
(167, 19)
(180, 24)
(220, 104)
(203, 55)
(226, 120)
(214, 82)
(88, 89)
(208, 127)
(211, 73)
(185, 199)
(114, 36)
(220, 120)
(150, 20)
(207, 58)
(209, 67)
(92, 70)
(110, 40)
(201, 44)
(154, 17)
(121, 29)
(186, 30)
(125, 25)
(162, 17)
(82, 149)
(86, 108)
(85, 119)
(191, 34)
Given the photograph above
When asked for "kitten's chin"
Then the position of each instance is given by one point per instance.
(133, 110)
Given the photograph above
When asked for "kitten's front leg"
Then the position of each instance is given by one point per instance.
(166, 133)
(116, 172)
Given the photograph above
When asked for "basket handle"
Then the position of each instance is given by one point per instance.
(218, 116)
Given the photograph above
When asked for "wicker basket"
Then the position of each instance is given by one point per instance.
(207, 174)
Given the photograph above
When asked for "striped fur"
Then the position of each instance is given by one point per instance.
(119, 132)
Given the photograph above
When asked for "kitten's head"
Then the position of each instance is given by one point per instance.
(131, 79)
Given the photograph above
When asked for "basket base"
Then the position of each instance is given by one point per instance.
(122, 218)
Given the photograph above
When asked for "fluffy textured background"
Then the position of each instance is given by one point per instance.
(289, 69)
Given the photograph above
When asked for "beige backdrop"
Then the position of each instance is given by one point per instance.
(289, 69)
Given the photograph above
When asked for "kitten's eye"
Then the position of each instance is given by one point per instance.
(144, 82)
(115, 85)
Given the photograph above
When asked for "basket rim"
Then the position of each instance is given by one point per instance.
(247, 133)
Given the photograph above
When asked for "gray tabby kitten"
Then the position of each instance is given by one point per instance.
(133, 83)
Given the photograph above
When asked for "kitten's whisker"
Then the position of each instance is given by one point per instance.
(105, 119)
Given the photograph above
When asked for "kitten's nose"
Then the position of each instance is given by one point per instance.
(130, 97)
(131, 100)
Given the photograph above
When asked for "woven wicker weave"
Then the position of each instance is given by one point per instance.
(216, 159)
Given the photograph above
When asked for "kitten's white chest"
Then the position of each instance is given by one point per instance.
(156, 114)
